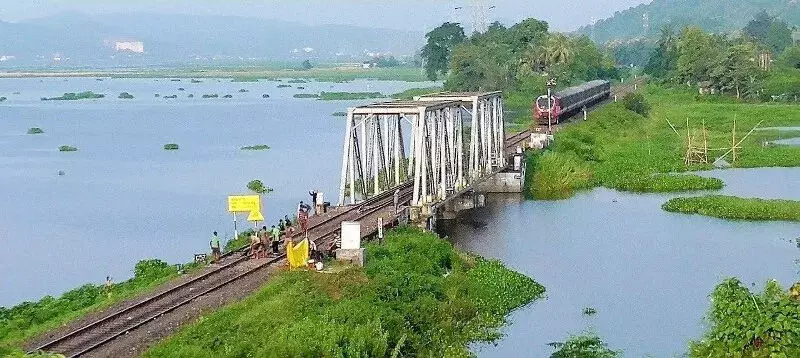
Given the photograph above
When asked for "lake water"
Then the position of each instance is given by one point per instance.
(123, 198)
(647, 272)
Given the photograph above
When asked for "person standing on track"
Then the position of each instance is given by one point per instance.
(215, 248)
(302, 216)
(276, 239)
(314, 195)
(396, 201)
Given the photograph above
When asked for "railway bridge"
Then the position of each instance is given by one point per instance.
(443, 148)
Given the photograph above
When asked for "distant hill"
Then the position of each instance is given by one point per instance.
(716, 16)
(90, 40)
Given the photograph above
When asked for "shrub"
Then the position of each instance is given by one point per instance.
(636, 102)
(35, 130)
(258, 187)
(171, 146)
(67, 148)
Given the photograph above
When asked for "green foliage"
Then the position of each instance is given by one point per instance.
(436, 52)
(416, 297)
(125, 95)
(243, 240)
(35, 130)
(583, 346)
(783, 84)
(29, 319)
(342, 96)
(745, 324)
(171, 146)
(257, 186)
(635, 102)
(71, 96)
(731, 207)
(790, 58)
(256, 147)
(306, 95)
(620, 149)
(67, 148)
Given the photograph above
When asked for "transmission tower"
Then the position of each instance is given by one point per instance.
(480, 14)
(646, 23)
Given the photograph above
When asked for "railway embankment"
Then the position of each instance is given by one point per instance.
(623, 150)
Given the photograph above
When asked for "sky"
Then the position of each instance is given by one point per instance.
(563, 15)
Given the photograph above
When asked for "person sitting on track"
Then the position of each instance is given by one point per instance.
(255, 245)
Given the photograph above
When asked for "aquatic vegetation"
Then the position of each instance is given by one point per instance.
(3, 99)
(171, 146)
(735, 208)
(191, 95)
(257, 186)
(245, 79)
(195, 81)
(742, 323)
(157, 95)
(125, 95)
(174, 96)
(284, 86)
(211, 95)
(71, 96)
(181, 89)
(264, 95)
(256, 147)
(297, 80)
(341, 96)
(589, 311)
(29, 319)
(306, 95)
(35, 130)
(339, 114)
(587, 345)
(416, 297)
(227, 96)
(556, 176)
(67, 148)
(243, 90)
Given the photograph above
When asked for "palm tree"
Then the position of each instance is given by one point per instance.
(558, 49)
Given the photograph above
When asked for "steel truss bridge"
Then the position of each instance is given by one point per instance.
(443, 143)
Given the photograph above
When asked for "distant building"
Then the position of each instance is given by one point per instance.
(129, 46)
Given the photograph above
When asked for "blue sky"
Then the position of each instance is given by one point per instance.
(563, 15)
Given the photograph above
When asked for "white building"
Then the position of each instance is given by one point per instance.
(130, 46)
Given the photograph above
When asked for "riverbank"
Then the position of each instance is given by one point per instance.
(238, 74)
(417, 296)
(619, 149)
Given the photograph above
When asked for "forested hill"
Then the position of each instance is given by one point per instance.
(712, 15)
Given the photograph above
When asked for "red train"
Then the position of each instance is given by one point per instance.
(568, 101)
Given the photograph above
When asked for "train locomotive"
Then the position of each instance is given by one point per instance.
(568, 101)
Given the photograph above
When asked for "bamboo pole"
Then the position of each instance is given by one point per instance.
(741, 140)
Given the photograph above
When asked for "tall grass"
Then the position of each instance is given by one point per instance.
(416, 296)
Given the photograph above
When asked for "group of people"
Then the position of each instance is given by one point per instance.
(267, 241)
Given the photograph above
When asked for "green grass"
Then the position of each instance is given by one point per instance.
(306, 95)
(409, 94)
(67, 148)
(35, 130)
(343, 96)
(256, 147)
(619, 149)
(29, 319)
(735, 208)
(171, 146)
(416, 296)
(71, 96)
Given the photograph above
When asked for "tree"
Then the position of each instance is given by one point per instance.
(529, 32)
(778, 37)
(306, 65)
(697, 55)
(473, 69)
(663, 61)
(790, 58)
(441, 42)
(738, 70)
(759, 26)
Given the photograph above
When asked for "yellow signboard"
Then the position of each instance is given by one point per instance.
(255, 216)
(244, 203)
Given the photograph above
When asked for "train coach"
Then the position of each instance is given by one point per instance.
(568, 101)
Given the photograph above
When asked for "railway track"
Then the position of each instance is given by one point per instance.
(92, 336)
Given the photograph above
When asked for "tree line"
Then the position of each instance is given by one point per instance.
(760, 63)
(509, 58)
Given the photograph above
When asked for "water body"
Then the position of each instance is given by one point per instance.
(647, 272)
(123, 198)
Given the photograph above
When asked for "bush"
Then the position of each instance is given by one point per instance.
(258, 187)
(171, 146)
(636, 102)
